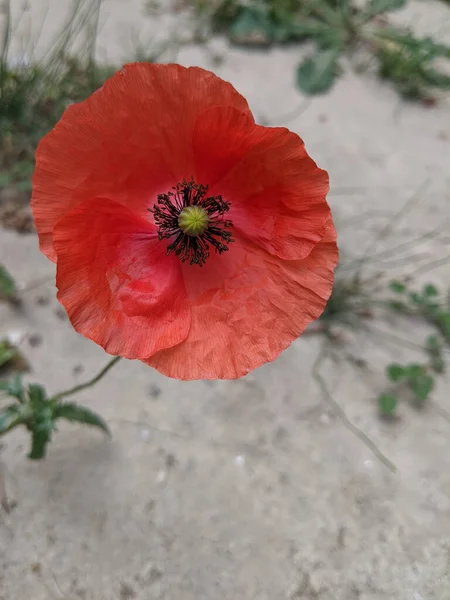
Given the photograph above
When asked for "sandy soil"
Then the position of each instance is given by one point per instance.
(253, 489)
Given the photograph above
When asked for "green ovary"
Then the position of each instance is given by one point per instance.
(193, 220)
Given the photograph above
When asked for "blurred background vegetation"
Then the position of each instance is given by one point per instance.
(337, 29)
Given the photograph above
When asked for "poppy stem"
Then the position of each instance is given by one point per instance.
(87, 384)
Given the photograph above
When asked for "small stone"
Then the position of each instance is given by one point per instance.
(60, 313)
(217, 59)
(78, 369)
(36, 568)
(150, 573)
(324, 419)
(239, 460)
(126, 591)
(429, 102)
(283, 478)
(35, 340)
(154, 391)
(14, 337)
(155, 574)
(171, 460)
(161, 476)
(280, 434)
(42, 300)
(8, 505)
(145, 435)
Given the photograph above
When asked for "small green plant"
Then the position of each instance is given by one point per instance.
(418, 378)
(31, 406)
(351, 301)
(9, 355)
(31, 102)
(33, 95)
(337, 28)
(427, 303)
(415, 376)
(8, 289)
(39, 414)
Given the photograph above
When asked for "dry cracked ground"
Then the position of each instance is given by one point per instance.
(256, 489)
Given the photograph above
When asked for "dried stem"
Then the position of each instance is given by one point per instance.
(340, 413)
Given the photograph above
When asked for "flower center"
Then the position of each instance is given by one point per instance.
(195, 221)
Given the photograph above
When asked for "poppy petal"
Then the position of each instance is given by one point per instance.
(116, 283)
(247, 307)
(276, 191)
(130, 141)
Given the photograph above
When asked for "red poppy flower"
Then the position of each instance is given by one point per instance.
(185, 235)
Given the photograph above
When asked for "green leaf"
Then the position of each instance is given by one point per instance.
(433, 345)
(444, 324)
(24, 185)
(387, 403)
(422, 386)
(10, 417)
(432, 308)
(377, 7)
(409, 62)
(37, 395)
(317, 74)
(416, 298)
(251, 26)
(397, 306)
(312, 28)
(438, 365)
(430, 290)
(414, 370)
(7, 353)
(7, 284)
(15, 388)
(396, 372)
(5, 180)
(397, 287)
(79, 414)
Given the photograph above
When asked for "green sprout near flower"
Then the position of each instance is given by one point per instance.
(39, 414)
(418, 378)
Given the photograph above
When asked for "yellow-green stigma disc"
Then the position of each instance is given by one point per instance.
(193, 220)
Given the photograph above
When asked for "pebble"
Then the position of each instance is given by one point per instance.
(146, 435)
(239, 460)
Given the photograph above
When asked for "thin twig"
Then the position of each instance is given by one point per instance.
(33, 285)
(6, 34)
(431, 265)
(340, 413)
(92, 32)
(87, 384)
(346, 191)
(292, 114)
(394, 221)
(397, 340)
(3, 496)
(442, 411)
(368, 214)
